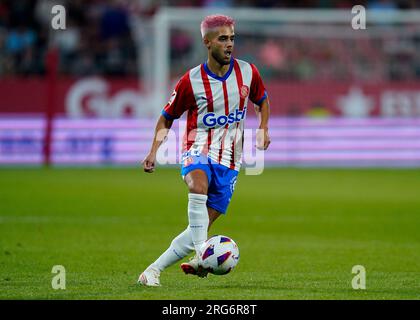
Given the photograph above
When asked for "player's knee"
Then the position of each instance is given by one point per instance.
(197, 187)
(197, 182)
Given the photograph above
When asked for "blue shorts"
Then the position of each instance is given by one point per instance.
(221, 179)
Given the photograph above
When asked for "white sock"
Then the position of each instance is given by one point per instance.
(198, 219)
(180, 247)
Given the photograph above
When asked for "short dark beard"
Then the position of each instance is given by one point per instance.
(219, 59)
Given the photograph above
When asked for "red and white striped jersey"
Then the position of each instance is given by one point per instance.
(216, 109)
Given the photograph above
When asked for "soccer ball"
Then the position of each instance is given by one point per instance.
(220, 255)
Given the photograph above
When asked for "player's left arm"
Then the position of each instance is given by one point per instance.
(258, 95)
(263, 114)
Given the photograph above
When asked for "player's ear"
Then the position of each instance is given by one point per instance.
(206, 42)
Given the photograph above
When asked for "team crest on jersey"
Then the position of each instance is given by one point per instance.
(244, 92)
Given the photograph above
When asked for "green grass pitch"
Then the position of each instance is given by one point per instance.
(300, 232)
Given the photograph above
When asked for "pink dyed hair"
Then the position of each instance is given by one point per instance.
(214, 21)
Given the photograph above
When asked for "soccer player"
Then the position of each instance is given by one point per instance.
(214, 95)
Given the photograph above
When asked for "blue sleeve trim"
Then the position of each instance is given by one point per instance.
(262, 99)
(167, 115)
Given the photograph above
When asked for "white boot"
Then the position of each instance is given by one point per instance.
(150, 277)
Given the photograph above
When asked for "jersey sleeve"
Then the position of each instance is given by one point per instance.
(182, 99)
(257, 91)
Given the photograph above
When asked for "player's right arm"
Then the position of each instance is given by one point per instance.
(161, 131)
(181, 99)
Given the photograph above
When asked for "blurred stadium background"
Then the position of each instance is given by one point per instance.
(87, 94)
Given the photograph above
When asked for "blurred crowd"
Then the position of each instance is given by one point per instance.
(391, 58)
(99, 40)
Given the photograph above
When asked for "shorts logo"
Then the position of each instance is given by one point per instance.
(232, 184)
(244, 91)
(188, 161)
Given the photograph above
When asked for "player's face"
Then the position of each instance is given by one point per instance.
(221, 43)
